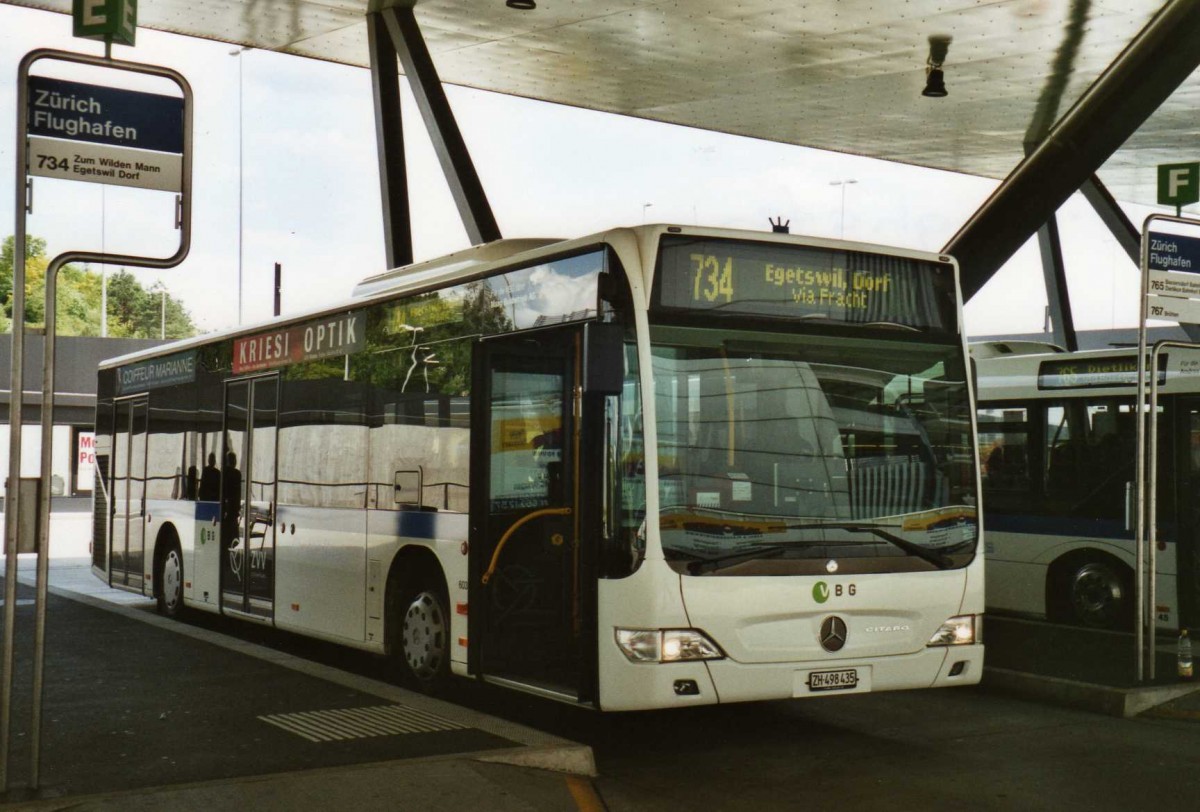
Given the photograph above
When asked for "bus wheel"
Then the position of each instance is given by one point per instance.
(1100, 594)
(422, 627)
(170, 582)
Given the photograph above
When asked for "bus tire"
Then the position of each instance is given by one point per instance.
(1094, 590)
(419, 620)
(169, 580)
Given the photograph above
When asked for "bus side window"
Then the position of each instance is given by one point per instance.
(1004, 454)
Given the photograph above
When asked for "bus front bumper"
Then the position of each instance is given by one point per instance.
(644, 686)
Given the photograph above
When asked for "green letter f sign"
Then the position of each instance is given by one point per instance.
(1178, 184)
(113, 20)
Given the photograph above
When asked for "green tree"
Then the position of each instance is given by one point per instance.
(133, 310)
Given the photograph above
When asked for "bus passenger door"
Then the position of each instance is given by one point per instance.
(531, 598)
(248, 506)
(1187, 500)
(129, 492)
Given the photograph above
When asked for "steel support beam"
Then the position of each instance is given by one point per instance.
(1158, 60)
(1114, 219)
(389, 144)
(448, 143)
(1057, 296)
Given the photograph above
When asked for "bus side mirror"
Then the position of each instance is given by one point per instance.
(603, 358)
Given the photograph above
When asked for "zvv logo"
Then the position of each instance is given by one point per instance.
(820, 592)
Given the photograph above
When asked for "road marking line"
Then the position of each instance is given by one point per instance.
(585, 795)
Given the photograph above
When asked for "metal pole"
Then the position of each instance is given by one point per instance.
(103, 268)
(15, 407)
(103, 301)
(1140, 475)
(1152, 543)
(184, 225)
(1149, 651)
(240, 174)
(1152, 516)
(43, 549)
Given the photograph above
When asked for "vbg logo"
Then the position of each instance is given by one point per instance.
(821, 591)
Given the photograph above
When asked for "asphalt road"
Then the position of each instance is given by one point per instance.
(949, 749)
(966, 748)
(928, 750)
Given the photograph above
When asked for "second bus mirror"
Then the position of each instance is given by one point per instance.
(603, 359)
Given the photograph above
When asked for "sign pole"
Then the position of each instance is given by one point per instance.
(16, 403)
(1139, 535)
(182, 222)
(1170, 266)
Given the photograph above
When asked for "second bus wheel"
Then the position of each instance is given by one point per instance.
(170, 581)
(1096, 592)
(420, 628)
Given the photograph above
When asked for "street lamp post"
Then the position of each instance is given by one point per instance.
(238, 53)
(843, 183)
(644, 207)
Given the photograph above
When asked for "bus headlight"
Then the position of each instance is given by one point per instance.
(666, 645)
(962, 630)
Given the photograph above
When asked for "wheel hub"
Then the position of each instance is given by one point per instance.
(172, 582)
(423, 636)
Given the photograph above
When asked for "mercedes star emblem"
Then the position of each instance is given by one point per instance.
(833, 633)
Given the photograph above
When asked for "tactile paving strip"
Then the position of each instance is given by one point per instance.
(344, 724)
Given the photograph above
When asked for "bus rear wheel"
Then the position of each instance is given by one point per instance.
(421, 643)
(170, 582)
(1097, 593)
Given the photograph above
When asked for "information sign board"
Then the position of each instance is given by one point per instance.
(1173, 252)
(105, 115)
(70, 160)
(1171, 308)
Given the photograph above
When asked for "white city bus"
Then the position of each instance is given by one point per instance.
(1057, 447)
(648, 468)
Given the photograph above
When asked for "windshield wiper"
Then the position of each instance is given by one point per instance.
(701, 564)
(934, 557)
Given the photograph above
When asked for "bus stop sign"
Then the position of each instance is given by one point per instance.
(1178, 184)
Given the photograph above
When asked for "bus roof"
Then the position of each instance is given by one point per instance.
(1109, 372)
(480, 260)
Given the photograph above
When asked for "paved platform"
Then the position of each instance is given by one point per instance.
(1082, 668)
(142, 712)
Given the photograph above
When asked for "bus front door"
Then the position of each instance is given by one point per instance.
(530, 599)
(129, 492)
(248, 497)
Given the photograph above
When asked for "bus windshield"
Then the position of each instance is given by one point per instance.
(780, 453)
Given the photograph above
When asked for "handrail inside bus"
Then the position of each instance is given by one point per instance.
(528, 517)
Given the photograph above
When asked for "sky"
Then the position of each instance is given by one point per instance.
(286, 146)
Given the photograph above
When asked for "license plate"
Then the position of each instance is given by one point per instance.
(841, 680)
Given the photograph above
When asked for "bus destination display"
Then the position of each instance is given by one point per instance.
(1088, 373)
(802, 282)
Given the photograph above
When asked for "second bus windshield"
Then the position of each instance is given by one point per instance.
(764, 435)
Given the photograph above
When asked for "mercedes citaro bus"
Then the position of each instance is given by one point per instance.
(648, 468)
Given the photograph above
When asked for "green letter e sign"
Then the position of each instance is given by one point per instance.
(820, 592)
(1178, 184)
(114, 20)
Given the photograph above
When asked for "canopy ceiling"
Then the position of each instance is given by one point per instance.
(841, 75)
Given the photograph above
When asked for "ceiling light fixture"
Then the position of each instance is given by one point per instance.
(935, 78)
(521, 5)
